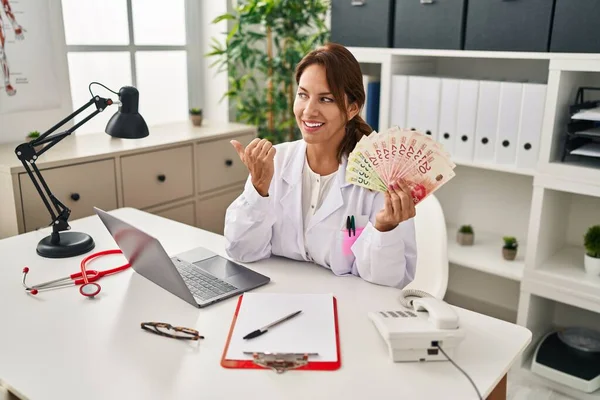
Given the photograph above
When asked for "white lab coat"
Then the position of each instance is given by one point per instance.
(257, 227)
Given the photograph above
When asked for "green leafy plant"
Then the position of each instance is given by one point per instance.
(267, 40)
(195, 111)
(33, 134)
(510, 242)
(591, 241)
(466, 229)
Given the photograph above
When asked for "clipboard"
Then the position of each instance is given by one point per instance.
(284, 347)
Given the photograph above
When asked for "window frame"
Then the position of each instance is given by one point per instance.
(192, 48)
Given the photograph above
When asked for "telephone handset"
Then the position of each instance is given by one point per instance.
(415, 330)
(440, 313)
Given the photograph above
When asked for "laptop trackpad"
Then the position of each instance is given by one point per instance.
(220, 267)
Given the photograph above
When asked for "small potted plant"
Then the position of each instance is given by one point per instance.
(591, 242)
(33, 135)
(196, 116)
(465, 235)
(509, 250)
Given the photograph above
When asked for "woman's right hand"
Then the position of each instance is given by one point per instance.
(258, 157)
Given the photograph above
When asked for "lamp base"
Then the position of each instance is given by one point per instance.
(71, 244)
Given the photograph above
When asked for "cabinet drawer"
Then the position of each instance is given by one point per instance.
(186, 213)
(79, 187)
(219, 165)
(211, 211)
(157, 177)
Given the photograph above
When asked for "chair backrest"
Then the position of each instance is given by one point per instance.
(432, 248)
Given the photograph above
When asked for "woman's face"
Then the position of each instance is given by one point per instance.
(317, 113)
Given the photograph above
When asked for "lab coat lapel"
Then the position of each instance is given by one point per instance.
(291, 198)
(334, 199)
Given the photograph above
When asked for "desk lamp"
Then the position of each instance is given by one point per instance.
(126, 123)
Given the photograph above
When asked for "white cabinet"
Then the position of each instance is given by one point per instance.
(185, 173)
(548, 205)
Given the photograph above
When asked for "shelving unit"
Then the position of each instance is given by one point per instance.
(548, 207)
(484, 255)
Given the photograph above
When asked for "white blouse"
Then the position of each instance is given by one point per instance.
(314, 190)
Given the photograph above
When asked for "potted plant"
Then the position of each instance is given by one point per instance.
(591, 242)
(509, 250)
(33, 135)
(196, 116)
(465, 235)
(265, 41)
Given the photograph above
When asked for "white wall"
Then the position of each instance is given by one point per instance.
(214, 84)
(15, 126)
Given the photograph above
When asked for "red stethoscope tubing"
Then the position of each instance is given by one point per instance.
(86, 278)
(91, 289)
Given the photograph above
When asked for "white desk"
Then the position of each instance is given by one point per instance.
(60, 345)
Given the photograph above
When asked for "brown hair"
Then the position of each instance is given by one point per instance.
(344, 78)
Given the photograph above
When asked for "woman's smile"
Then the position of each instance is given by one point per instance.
(312, 126)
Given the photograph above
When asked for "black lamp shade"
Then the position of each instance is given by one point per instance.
(127, 123)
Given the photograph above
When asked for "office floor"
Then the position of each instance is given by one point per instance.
(519, 388)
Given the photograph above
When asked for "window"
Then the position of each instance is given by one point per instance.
(128, 42)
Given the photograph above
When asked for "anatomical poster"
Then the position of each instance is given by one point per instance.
(27, 64)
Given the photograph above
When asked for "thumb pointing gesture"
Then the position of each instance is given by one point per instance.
(238, 148)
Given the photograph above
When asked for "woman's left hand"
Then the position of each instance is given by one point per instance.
(398, 207)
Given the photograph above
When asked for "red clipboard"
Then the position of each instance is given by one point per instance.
(307, 365)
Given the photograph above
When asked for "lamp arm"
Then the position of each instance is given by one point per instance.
(28, 155)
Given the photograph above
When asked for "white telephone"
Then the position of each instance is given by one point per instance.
(417, 330)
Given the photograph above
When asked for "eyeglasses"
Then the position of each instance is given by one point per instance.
(175, 332)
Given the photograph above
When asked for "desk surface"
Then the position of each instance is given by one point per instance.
(59, 344)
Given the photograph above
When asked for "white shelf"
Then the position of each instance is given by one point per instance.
(567, 185)
(372, 54)
(585, 171)
(496, 167)
(534, 378)
(486, 255)
(564, 277)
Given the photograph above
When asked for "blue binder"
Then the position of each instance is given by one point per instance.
(372, 106)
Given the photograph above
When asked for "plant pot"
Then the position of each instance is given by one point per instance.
(196, 120)
(509, 254)
(465, 239)
(592, 265)
(38, 147)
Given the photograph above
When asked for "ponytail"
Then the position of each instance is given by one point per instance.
(356, 128)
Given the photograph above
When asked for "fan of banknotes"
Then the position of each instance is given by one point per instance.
(381, 159)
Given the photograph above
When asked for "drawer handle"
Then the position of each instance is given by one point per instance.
(229, 163)
(162, 178)
(357, 3)
(75, 196)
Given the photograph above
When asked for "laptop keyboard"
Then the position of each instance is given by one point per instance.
(201, 284)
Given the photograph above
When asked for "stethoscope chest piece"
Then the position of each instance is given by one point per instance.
(89, 289)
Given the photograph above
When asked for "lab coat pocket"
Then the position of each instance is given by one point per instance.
(349, 239)
(342, 257)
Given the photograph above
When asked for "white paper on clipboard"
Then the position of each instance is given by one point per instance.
(312, 331)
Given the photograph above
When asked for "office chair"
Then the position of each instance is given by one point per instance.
(432, 249)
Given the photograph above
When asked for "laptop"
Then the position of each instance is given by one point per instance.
(198, 276)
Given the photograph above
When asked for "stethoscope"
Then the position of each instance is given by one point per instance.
(86, 279)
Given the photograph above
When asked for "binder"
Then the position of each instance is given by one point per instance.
(530, 126)
(372, 112)
(509, 113)
(399, 101)
(424, 104)
(487, 121)
(448, 111)
(309, 341)
(466, 118)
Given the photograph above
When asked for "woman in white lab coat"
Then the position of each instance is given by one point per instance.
(296, 201)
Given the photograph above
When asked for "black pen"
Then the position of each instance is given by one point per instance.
(264, 329)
